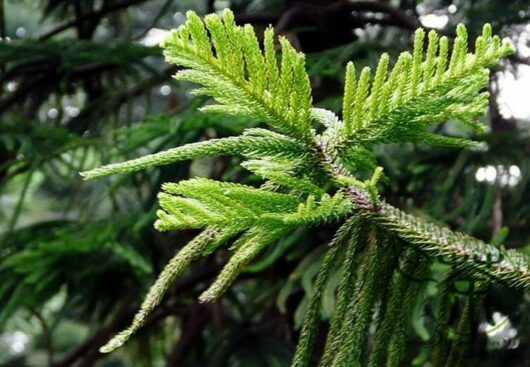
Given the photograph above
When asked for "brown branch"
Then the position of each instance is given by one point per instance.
(2, 21)
(2, 37)
(312, 14)
(401, 18)
(38, 81)
(88, 351)
(196, 321)
(210, 6)
(105, 103)
(91, 16)
(163, 10)
(45, 333)
(497, 212)
(158, 315)
(328, 26)
(342, 10)
(498, 122)
(120, 319)
(261, 18)
(78, 19)
(516, 59)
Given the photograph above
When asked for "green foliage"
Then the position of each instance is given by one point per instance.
(32, 276)
(211, 203)
(253, 142)
(244, 80)
(306, 180)
(74, 55)
(174, 268)
(418, 91)
(307, 334)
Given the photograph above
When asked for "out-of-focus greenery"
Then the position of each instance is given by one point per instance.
(83, 83)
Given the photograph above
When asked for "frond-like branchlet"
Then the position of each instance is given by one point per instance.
(254, 142)
(173, 269)
(345, 292)
(394, 307)
(420, 91)
(248, 247)
(317, 210)
(373, 274)
(442, 316)
(350, 91)
(397, 343)
(471, 255)
(226, 60)
(199, 203)
(282, 173)
(464, 328)
(309, 327)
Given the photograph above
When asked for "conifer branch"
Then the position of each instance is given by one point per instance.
(283, 173)
(248, 247)
(307, 180)
(374, 272)
(464, 252)
(243, 79)
(199, 203)
(420, 91)
(173, 269)
(442, 317)
(345, 293)
(307, 334)
(397, 342)
(388, 315)
(464, 327)
(252, 142)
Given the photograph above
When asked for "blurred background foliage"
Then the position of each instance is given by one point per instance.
(83, 83)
